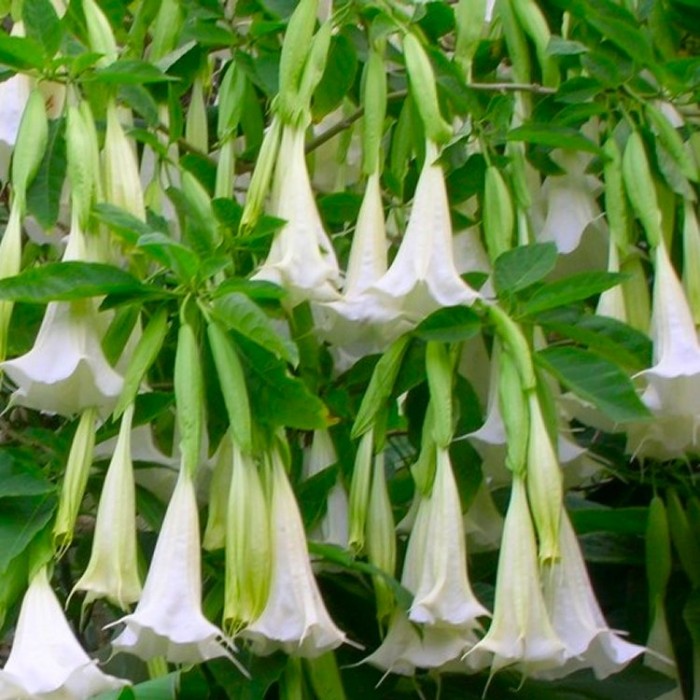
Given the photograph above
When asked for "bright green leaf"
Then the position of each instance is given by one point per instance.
(519, 268)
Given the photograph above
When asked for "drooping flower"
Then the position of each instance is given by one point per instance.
(423, 277)
(66, 371)
(112, 571)
(576, 616)
(301, 257)
(444, 594)
(570, 202)
(295, 618)
(46, 661)
(168, 619)
(521, 632)
(674, 380)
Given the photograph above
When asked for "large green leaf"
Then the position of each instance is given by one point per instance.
(184, 262)
(130, 71)
(124, 224)
(519, 268)
(338, 76)
(19, 477)
(571, 289)
(42, 24)
(21, 519)
(241, 314)
(452, 324)
(276, 397)
(163, 688)
(596, 380)
(65, 281)
(21, 53)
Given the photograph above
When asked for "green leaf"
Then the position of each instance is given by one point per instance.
(183, 261)
(65, 281)
(276, 397)
(519, 268)
(565, 47)
(20, 477)
(313, 495)
(163, 688)
(44, 193)
(611, 338)
(452, 324)
(42, 24)
(596, 380)
(338, 76)
(571, 289)
(241, 314)
(129, 71)
(21, 519)
(21, 53)
(553, 137)
(255, 289)
(121, 222)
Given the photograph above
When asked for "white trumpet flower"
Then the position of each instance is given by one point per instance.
(66, 371)
(444, 594)
(521, 632)
(295, 618)
(112, 571)
(423, 277)
(301, 257)
(576, 616)
(168, 620)
(46, 661)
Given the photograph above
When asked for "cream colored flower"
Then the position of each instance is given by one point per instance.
(295, 618)
(46, 661)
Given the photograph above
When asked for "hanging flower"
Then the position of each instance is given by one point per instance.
(521, 632)
(46, 661)
(570, 202)
(295, 618)
(443, 594)
(301, 258)
(423, 277)
(112, 571)
(66, 371)
(168, 620)
(576, 616)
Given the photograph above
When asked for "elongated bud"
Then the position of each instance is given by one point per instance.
(196, 128)
(248, 545)
(189, 398)
(422, 81)
(359, 491)
(32, 137)
(515, 41)
(201, 226)
(100, 34)
(225, 170)
(515, 343)
(121, 174)
(375, 111)
(75, 479)
(423, 469)
(672, 142)
(544, 483)
(691, 259)
(498, 216)
(514, 413)
(10, 263)
(295, 50)
(439, 370)
(533, 22)
(233, 386)
(635, 289)
(658, 550)
(81, 172)
(469, 17)
(262, 174)
(380, 537)
(639, 185)
(615, 203)
(314, 67)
